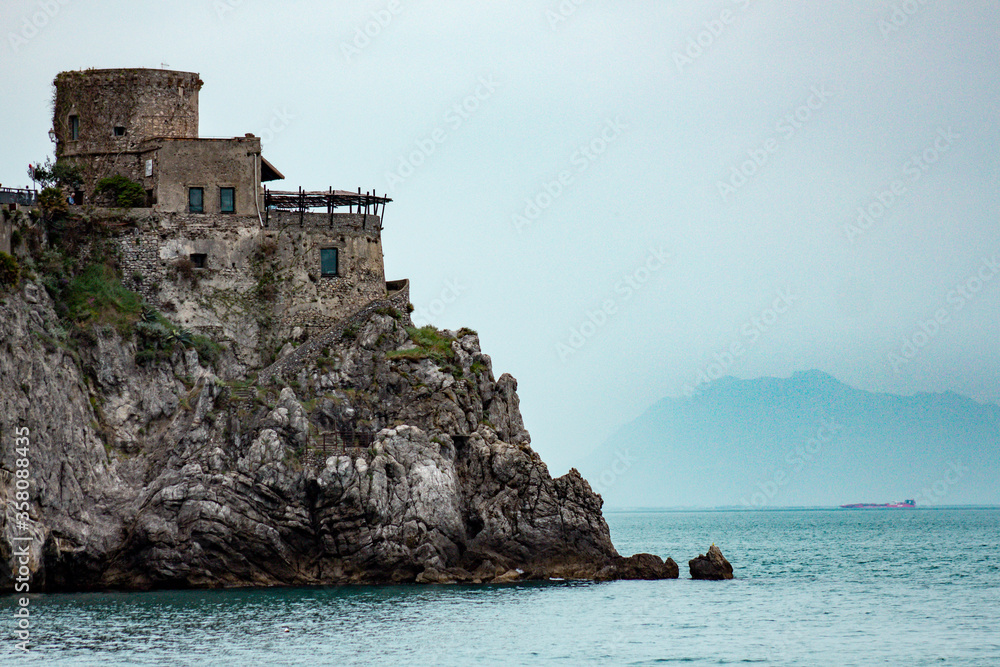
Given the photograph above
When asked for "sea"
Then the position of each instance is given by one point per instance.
(812, 587)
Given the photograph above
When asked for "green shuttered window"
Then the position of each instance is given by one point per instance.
(227, 200)
(196, 200)
(328, 261)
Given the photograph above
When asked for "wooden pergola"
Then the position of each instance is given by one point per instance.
(366, 203)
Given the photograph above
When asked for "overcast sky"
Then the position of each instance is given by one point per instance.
(620, 197)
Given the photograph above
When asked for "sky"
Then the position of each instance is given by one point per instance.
(625, 200)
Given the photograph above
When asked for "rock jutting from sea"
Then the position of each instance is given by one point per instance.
(711, 566)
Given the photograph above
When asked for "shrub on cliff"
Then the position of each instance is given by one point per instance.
(58, 174)
(97, 296)
(184, 269)
(157, 338)
(431, 344)
(121, 191)
(10, 272)
(52, 204)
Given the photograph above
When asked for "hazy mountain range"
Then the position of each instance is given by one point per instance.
(806, 440)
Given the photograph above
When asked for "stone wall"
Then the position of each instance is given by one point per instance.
(211, 164)
(147, 103)
(6, 229)
(257, 285)
(315, 300)
(141, 264)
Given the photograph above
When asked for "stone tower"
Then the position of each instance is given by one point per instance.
(102, 117)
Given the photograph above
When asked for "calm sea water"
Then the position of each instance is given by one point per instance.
(817, 587)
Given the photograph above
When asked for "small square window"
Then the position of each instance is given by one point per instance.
(199, 259)
(227, 200)
(74, 128)
(196, 200)
(119, 131)
(328, 261)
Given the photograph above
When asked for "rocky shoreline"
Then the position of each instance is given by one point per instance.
(179, 474)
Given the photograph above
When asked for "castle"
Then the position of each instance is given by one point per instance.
(212, 247)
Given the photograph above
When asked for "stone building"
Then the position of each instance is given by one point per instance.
(143, 124)
(212, 248)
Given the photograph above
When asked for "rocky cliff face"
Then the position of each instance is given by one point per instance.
(391, 455)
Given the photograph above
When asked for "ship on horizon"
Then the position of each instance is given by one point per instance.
(906, 504)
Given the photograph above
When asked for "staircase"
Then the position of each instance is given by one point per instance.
(398, 297)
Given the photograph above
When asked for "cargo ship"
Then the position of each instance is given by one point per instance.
(905, 505)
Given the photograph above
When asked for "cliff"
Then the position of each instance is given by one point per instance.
(383, 454)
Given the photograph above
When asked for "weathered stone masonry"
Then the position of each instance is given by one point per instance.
(314, 300)
(251, 277)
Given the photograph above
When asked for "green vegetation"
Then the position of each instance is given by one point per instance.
(158, 338)
(52, 204)
(240, 385)
(124, 192)
(184, 269)
(394, 313)
(61, 174)
(431, 344)
(78, 262)
(267, 286)
(265, 265)
(10, 272)
(90, 296)
(208, 350)
(96, 296)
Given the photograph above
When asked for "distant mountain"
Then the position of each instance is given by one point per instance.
(802, 441)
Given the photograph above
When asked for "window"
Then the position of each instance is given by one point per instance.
(328, 261)
(196, 200)
(119, 131)
(74, 128)
(199, 259)
(227, 200)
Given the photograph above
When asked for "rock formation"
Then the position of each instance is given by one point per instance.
(390, 455)
(712, 565)
(639, 566)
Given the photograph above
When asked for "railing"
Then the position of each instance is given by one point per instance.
(242, 394)
(339, 442)
(19, 196)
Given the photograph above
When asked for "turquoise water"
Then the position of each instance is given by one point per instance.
(823, 587)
